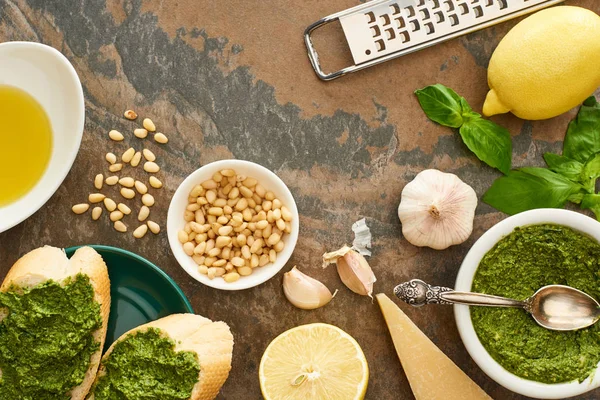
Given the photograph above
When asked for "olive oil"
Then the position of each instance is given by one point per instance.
(25, 143)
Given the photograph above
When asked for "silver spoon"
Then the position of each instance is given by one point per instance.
(555, 307)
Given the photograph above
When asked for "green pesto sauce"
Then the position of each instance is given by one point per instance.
(145, 366)
(521, 263)
(46, 340)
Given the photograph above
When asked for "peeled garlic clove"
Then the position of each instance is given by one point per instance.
(305, 292)
(353, 269)
(437, 210)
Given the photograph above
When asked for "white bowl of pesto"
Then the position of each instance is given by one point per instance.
(467, 280)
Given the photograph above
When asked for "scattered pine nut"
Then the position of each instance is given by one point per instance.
(137, 157)
(148, 155)
(98, 181)
(154, 227)
(130, 115)
(80, 208)
(127, 181)
(128, 155)
(124, 209)
(116, 215)
(148, 200)
(155, 182)
(120, 226)
(127, 193)
(143, 214)
(111, 158)
(110, 204)
(140, 231)
(148, 125)
(140, 133)
(152, 167)
(115, 167)
(116, 135)
(141, 187)
(161, 138)
(96, 197)
(96, 213)
(112, 180)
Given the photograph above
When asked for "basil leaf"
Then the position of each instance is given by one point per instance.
(530, 188)
(583, 134)
(441, 104)
(591, 172)
(576, 198)
(565, 166)
(592, 202)
(490, 142)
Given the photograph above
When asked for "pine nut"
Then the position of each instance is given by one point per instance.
(140, 187)
(137, 157)
(116, 135)
(148, 200)
(196, 191)
(109, 204)
(214, 252)
(188, 215)
(209, 184)
(98, 181)
(254, 261)
(130, 115)
(286, 214)
(280, 224)
(155, 182)
(231, 277)
(244, 271)
(152, 167)
(279, 246)
(211, 196)
(154, 227)
(115, 215)
(96, 197)
(161, 138)
(80, 208)
(238, 261)
(273, 239)
(222, 241)
(140, 133)
(272, 255)
(256, 245)
(128, 155)
(127, 182)
(148, 125)
(111, 158)
(112, 180)
(140, 231)
(182, 236)
(259, 190)
(228, 172)
(120, 226)
(250, 182)
(143, 214)
(115, 167)
(127, 193)
(247, 193)
(96, 213)
(200, 248)
(203, 269)
(264, 260)
(148, 155)
(124, 209)
(262, 224)
(188, 247)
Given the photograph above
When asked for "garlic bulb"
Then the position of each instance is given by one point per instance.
(354, 271)
(305, 292)
(437, 210)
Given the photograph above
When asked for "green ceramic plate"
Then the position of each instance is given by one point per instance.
(140, 291)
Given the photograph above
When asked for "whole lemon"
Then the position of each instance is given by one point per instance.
(546, 65)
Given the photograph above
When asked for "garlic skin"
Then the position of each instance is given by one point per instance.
(353, 269)
(437, 210)
(305, 292)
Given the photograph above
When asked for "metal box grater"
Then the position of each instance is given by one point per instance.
(381, 30)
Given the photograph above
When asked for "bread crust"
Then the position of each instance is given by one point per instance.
(211, 341)
(51, 263)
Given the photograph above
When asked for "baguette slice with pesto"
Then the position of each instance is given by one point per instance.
(178, 357)
(53, 324)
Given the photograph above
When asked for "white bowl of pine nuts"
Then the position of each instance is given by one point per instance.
(232, 224)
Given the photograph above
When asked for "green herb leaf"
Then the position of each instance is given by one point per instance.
(591, 172)
(490, 142)
(576, 198)
(565, 166)
(530, 188)
(583, 134)
(441, 104)
(592, 202)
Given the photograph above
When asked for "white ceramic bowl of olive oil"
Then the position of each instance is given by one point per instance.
(42, 116)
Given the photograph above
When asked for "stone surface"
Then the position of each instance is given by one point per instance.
(232, 80)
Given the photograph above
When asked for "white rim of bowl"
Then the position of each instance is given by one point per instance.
(245, 282)
(80, 114)
(464, 280)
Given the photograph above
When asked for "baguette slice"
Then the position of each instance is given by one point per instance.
(51, 263)
(211, 341)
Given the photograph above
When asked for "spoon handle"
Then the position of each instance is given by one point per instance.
(418, 293)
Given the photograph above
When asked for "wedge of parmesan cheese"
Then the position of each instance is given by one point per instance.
(431, 374)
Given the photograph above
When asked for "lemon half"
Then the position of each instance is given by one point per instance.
(315, 361)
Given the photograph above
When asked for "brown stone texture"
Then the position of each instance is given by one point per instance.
(231, 79)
